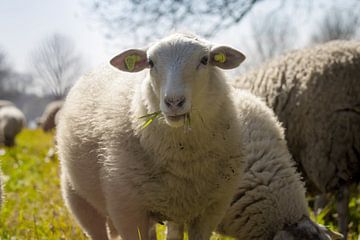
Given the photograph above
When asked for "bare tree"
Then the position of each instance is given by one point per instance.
(21, 83)
(4, 71)
(338, 24)
(56, 65)
(12, 82)
(153, 18)
(146, 20)
(271, 35)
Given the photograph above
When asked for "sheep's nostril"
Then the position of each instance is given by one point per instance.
(174, 102)
(167, 102)
(181, 102)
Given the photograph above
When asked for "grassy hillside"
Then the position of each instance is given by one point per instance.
(33, 208)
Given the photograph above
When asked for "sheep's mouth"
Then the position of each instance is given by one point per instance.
(175, 118)
(181, 120)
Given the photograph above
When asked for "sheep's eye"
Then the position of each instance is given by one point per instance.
(204, 60)
(151, 63)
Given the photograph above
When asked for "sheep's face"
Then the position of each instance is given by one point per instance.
(306, 230)
(179, 76)
(180, 68)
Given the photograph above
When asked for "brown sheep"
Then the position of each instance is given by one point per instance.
(48, 120)
(315, 93)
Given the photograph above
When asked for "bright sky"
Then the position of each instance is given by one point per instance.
(25, 24)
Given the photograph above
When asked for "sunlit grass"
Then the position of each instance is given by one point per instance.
(329, 217)
(33, 208)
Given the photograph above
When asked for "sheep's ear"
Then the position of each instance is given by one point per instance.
(132, 60)
(226, 57)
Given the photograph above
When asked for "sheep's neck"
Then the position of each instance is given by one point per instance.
(206, 125)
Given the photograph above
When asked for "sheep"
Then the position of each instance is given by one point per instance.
(315, 93)
(270, 198)
(48, 119)
(1, 190)
(4, 103)
(12, 121)
(121, 175)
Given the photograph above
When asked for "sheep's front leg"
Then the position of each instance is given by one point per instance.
(203, 226)
(130, 223)
(130, 220)
(88, 217)
(342, 208)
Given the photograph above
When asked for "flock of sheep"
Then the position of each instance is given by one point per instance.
(182, 145)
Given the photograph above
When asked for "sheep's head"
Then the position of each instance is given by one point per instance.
(180, 68)
(305, 229)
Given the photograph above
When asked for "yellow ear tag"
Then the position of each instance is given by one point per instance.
(130, 61)
(220, 57)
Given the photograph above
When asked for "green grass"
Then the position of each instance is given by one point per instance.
(33, 207)
(329, 217)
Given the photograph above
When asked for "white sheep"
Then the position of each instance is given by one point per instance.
(315, 93)
(182, 167)
(49, 118)
(12, 121)
(270, 198)
(4, 103)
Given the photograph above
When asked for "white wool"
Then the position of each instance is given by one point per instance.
(12, 120)
(160, 172)
(270, 194)
(117, 174)
(270, 197)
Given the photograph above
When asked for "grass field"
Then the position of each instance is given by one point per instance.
(33, 208)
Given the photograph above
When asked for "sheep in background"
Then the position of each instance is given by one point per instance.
(12, 121)
(49, 118)
(1, 189)
(315, 93)
(48, 121)
(4, 103)
(183, 166)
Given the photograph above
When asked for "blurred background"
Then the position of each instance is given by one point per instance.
(46, 45)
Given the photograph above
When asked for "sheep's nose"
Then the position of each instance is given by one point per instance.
(174, 102)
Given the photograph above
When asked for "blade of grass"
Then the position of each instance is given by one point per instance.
(147, 123)
(187, 122)
(151, 117)
(139, 234)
